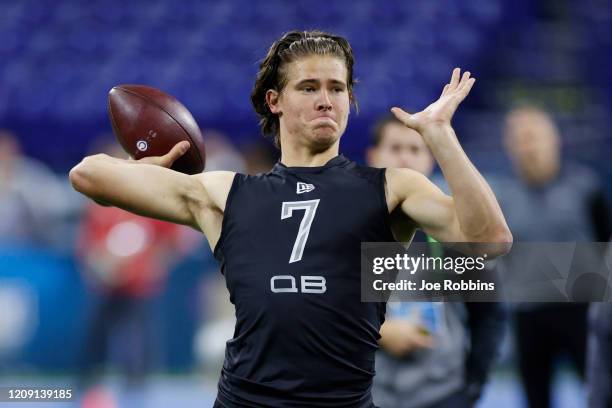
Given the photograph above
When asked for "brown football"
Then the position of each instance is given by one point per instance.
(149, 122)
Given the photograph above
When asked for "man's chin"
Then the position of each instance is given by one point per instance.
(324, 136)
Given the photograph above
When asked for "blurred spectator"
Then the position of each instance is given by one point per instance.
(218, 324)
(260, 157)
(221, 154)
(550, 200)
(433, 354)
(126, 259)
(599, 364)
(32, 198)
(599, 358)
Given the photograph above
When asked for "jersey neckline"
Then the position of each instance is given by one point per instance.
(337, 161)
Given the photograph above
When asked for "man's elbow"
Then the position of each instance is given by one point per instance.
(82, 175)
(78, 178)
(500, 241)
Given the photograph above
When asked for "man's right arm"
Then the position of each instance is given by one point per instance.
(149, 189)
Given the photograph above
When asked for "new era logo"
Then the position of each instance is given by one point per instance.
(304, 187)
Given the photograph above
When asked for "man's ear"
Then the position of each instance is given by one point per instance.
(272, 97)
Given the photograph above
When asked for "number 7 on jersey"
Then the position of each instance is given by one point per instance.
(310, 209)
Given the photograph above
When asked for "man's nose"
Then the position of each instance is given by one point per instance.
(406, 158)
(405, 162)
(324, 103)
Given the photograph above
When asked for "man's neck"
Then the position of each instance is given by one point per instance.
(293, 156)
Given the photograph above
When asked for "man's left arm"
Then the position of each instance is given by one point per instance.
(472, 213)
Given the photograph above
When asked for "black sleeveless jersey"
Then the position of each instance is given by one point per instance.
(290, 253)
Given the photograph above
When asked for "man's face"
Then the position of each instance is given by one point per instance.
(314, 105)
(533, 144)
(400, 147)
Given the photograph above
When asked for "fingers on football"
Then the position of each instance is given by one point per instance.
(178, 150)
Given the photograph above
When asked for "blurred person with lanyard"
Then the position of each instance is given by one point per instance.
(433, 354)
(548, 201)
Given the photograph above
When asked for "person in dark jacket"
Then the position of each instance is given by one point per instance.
(433, 354)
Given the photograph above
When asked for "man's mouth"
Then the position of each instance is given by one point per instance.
(325, 119)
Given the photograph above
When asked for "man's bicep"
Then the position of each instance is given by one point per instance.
(428, 206)
(434, 212)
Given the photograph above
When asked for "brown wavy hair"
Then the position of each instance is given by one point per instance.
(272, 73)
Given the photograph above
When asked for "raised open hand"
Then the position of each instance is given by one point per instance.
(441, 111)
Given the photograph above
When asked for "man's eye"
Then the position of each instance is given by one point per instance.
(338, 90)
(308, 89)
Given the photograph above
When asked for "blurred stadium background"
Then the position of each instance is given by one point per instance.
(58, 60)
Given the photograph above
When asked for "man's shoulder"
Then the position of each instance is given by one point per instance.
(216, 179)
(404, 179)
(216, 186)
(368, 173)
